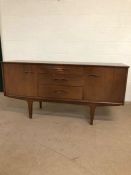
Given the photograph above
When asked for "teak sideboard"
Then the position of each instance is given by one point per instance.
(81, 83)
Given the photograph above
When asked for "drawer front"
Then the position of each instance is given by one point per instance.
(60, 92)
(60, 69)
(68, 80)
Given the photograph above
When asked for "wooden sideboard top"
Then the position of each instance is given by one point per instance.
(68, 63)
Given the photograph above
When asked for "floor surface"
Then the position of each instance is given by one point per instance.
(59, 140)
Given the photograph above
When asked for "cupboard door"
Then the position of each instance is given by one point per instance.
(19, 80)
(105, 84)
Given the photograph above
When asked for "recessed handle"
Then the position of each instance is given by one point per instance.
(60, 79)
(27, 69)
(27, 72)
(59, 69)
(59, 91)
(93, 75)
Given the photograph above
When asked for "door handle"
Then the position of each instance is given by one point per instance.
(94, 75)
(27, 72)
(60, 79)
(59, 91)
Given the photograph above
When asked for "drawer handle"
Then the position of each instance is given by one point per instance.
(59, 91)
(27, 72)
(60, 79)
(93, 75)
(59, 69)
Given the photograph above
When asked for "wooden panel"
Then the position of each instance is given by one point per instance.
(105, 84)
(61, 79)
(19, 80)
(88, 84)
(60, 69)
(92, 83)
(60, 92)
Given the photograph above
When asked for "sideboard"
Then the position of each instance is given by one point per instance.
(90, 84)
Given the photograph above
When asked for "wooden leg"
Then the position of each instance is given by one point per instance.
(30, 105)
(40, 102)
(92, 113)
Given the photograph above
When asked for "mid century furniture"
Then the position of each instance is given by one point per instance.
(81, 83)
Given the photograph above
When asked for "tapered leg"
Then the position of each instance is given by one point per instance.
(92, 113)
(40, 102)
(30, 105)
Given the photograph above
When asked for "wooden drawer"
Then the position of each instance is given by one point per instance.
(60, 92)
(60, 69)
(61, 79)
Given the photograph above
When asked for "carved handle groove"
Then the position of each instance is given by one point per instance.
(60, 79)
(59, 69)
(60, 91)
(27, 72)
(94, 75)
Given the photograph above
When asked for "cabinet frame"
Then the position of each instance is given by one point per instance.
(96, 87)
